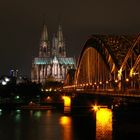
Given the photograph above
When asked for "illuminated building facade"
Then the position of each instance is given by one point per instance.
(52, 62)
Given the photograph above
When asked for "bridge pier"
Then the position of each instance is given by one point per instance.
(67, 104)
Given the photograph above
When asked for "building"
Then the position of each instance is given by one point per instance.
(52, 62)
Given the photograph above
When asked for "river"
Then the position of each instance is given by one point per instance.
(103, 124)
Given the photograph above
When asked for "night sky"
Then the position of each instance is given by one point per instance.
(21, 24)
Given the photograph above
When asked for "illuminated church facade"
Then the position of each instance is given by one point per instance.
(52, 62)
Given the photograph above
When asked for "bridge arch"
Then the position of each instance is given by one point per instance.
(97, 65)
(105, 61)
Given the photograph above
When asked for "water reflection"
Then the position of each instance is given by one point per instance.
(31, 113)
(53, 125)
(65, 120)
(104, 124)
(0, 112)
(66, 124)
(17, 117)
(37, 114)
(49, 113)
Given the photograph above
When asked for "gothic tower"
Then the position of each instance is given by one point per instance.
(44, 50)
(61, 43)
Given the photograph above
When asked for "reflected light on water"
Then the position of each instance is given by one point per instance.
(37, 114)
(0, 112)
(49, 113)
(17, 117)
(104, 124)
(66, 123)
(64, 120)
(31, 113)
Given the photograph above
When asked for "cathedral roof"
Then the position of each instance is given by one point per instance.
(49, 60)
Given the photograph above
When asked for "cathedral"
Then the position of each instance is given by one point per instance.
(52, 62)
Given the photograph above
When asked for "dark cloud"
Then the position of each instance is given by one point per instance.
(21, 22)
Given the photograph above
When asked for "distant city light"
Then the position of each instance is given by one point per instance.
(17, 97)
(4, 83)
(7, 79)
(46, 90)
(50, 89)
(48, 98)
(18, 111)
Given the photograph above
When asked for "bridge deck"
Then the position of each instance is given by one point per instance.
(131, 93)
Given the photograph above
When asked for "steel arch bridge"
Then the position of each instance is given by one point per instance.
(108, 62)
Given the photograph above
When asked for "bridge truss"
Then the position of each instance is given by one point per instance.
(110, 63)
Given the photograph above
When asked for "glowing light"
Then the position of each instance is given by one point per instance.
(104, 124)
(65, 120)
(66, 123)
(134, 73)
(31, 103)
(18, 111)
(90, 84)
(95, 108)
(120, 73)
(100, 83)
(67, 100)
(95, 83)
(42, 90)
(7, 79)
(4, 83)
(107, 82)
(37, 114)
(46, 90)
(131, 72)
(116, 81)
(0, 110)
(127, 80)
(17, 97)
(48, 98)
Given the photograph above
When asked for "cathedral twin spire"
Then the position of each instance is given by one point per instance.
(57, 48)
(44, 44)
(44, 33)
